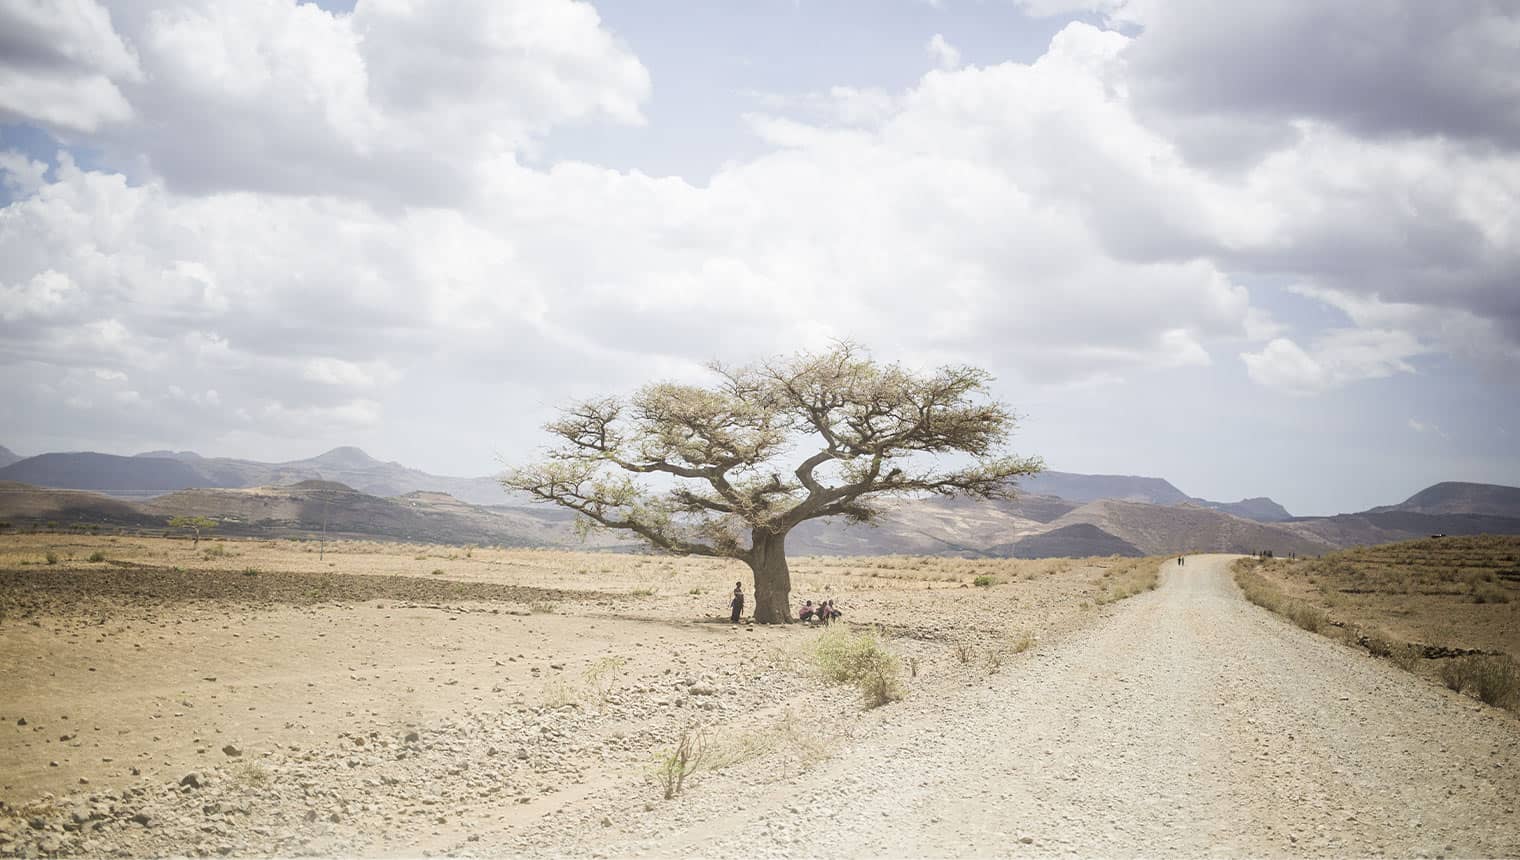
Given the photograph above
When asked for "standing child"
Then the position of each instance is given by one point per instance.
(738, 603)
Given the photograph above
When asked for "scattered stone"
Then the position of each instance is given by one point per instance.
(191, 780)
(143, 818)
(412, 737)
(231, 751)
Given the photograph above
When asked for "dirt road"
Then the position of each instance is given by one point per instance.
(1188, 722)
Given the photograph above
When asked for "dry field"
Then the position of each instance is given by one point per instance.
(271, 697)
(1433, 605)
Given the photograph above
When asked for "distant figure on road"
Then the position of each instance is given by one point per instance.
(738, 603)
(1181, 561)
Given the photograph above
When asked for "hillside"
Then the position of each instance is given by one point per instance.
(1079, 540)
(1159, 530)
(156, 472)
(1456, 497)
(7, 456)
(1261, 509)
(127, 477)
(1091, 488)
(301, 510)
(23, 504)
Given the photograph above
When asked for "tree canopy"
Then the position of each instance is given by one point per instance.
(729, 469)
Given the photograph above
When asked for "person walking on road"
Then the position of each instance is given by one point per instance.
(1180, 561)
(738, 603)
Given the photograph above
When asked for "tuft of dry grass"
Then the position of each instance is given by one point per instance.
(1492, 679)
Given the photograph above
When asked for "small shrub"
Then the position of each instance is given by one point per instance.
(543, 607)
(97, 555)
(1311, 618)
(964, 652)
(642, 592)
(1457, 673)
(861, 660)
(438, 571)
(250, 571)
(1495, 681)
(602, 676)
(983, 581)
(51, 557)
(1406, 657)
(1022, 644)
(1485, 593)
(676, 766)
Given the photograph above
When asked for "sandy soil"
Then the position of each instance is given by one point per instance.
(479, 713)
(261, 702)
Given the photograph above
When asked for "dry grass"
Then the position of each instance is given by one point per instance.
(1423, 605)
(1127, 578)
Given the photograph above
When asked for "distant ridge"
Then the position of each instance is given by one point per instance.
(360, 494)
(153, 473)
(107, 473)
(1458, 497)
(1091, 488)
(7, 456)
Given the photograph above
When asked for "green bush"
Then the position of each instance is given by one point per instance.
(97, 555)
(52, 557)
(983, 581)
(861, 660)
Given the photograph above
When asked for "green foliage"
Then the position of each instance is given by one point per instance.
(983, 581)
(676, 765)
(52, 557)
(861, 660)
(97, 555)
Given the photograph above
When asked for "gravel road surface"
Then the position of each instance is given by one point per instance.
(1188, 722)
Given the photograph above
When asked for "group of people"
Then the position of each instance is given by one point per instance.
(824, 612)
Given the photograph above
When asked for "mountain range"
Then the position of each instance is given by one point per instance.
(345, 491)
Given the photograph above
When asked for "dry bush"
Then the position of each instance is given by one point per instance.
(1486, 593)
(1311, 618)
(1492, 679)
(964, 652)
(602, 676)
(860, 659)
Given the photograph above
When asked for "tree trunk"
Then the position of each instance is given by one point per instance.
(773, 581)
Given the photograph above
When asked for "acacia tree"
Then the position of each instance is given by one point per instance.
(699, 470)
(195, 524)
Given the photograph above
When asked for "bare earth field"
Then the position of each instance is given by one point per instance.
(247, 697)
(258, 700)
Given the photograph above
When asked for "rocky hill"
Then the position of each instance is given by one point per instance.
(303, 509)
(7, 456)
(156, 472)
(126, 477)
(1456, 497)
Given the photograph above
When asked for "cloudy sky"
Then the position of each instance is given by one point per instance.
(1266, 247)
